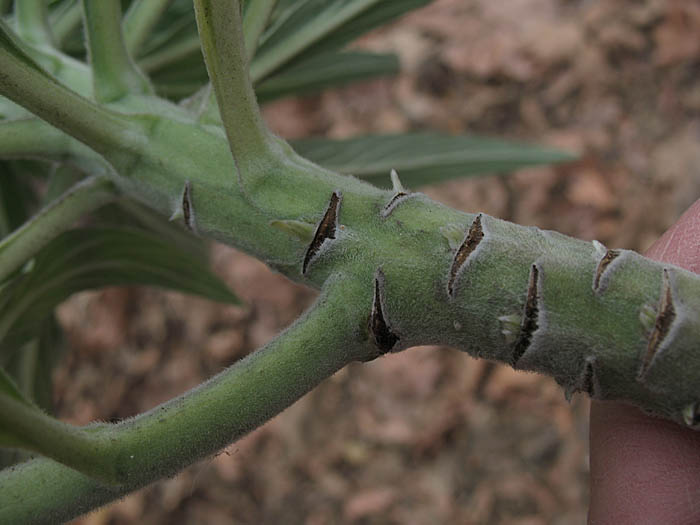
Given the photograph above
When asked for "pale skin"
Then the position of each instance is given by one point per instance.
(644, 469)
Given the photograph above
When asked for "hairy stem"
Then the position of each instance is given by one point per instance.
(114, 73)
(33, 23)
(26, 84)
(221, 34)
(37, 432)
(30, 137)
(165, 439)
(139, 21)
(33, 138)
(59, 215)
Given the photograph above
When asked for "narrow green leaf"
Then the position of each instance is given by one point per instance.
(255, 17)
(55, 217)
(171, 56)
(139, 21)
(381, 13)
(176, 24)
(306, 28)
(92, 258)
(424, 158)
(16, 197)
(49, 348)
(302, 25)
(9, 387)
(132, 214)
(65, 19)
(325, 70)
(31, 365)
(31, 370)
(182, 77)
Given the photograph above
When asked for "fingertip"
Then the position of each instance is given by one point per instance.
(680, 245)
(643, 469)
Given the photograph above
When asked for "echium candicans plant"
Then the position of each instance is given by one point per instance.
(394, 268)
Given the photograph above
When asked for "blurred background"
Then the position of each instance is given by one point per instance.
(429, 436)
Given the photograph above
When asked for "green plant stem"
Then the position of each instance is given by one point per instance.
(266, 63)
(139, 21)
(255, 17)
(40, 433)
(162, 441)
(114, 73)
(59, 215)
(607, 322)
(33, 23)
(221, 35)
(537, 300)
(33, 138)
(30, 137)
(25, 83)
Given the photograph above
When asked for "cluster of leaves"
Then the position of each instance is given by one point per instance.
(301, 49)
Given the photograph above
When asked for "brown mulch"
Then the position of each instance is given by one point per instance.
(428, 436)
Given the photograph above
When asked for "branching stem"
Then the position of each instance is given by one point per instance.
(221, 35)
(25, 83)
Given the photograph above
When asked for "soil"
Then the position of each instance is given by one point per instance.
(428, 436)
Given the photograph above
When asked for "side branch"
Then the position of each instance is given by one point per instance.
(27, 84)
(33, 22)
(221, 34)
(114, 73)
(164, 440)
